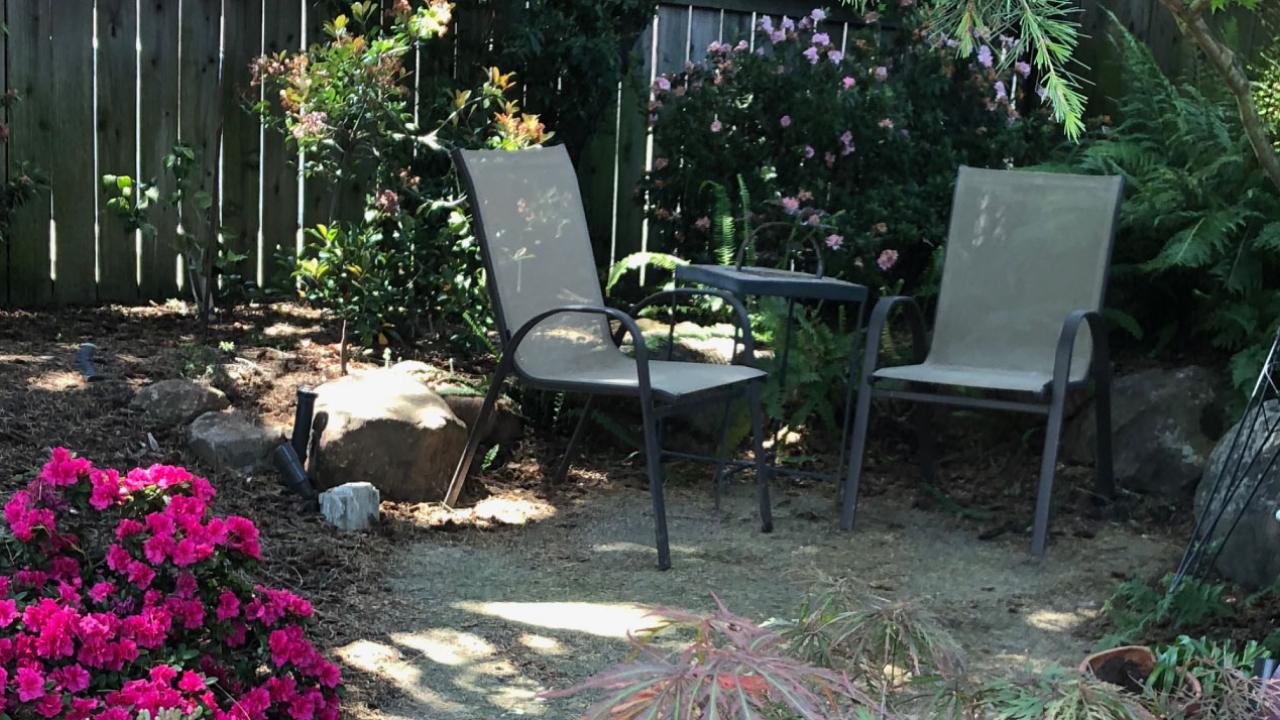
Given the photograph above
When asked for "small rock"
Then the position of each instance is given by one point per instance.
(387, 428)
(232, 441)
(351, 507)
(1249, 556)
(1164, 423)
(177, 402)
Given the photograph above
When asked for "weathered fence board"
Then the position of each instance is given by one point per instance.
(160, 78)
(117, 95)
(158, 34)
(30, 138)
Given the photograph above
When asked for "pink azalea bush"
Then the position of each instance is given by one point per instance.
(869, 127)
(125, 594)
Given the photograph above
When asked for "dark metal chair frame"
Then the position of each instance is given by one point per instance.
(654, 405)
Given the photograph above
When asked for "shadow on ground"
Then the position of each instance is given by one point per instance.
(484, 623)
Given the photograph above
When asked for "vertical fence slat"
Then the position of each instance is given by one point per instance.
(737, 26)
(282, 31)
(200, 112)
(704, 29)
(116, 125)
(240, 150)
(158, 120)
(30, 57)
(673, 38)
(71, 172)
(4, 161)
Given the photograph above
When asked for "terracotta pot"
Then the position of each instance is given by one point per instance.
(1137, 661)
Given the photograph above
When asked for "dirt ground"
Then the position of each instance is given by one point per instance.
(470, 614)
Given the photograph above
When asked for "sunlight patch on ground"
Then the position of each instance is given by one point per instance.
(499, 510)
(542, 644)
(1056, 621)
(446, 646)
(606, 620)
(56, 380)
(388, 663)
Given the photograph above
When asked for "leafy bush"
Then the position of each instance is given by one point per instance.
(124, 595)
(875, 132)
(1137, 607)
(406, 255)
(1200, 226)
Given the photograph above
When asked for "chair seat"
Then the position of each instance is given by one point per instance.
(964, 376)
(670, 380)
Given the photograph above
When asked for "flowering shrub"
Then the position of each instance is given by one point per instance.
(406, 253)
(125, 595)
(863, 134)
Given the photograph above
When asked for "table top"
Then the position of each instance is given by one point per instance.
(768, 282)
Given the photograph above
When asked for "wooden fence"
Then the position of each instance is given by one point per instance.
(108, 86)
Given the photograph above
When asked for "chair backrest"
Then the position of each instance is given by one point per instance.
(537, 253)
(1024, 250)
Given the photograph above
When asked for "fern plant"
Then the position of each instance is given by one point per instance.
(1136, 607)
(1200, 226)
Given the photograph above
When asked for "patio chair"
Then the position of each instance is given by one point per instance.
(1026, 266)
(554, 327)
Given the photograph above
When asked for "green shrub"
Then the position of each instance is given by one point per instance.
(1136, 608)
(1200, 226)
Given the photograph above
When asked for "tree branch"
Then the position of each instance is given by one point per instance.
(1231, 70)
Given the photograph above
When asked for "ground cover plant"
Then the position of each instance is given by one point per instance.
(123, 594)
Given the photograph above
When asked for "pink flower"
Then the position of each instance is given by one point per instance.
(812, 55)
(985, 58)
(809, 152)
(101, 591)
(785, 121)
(716, 125)
(72, 678)
(661, 84)
(788, 23)
(8, 612)
(886, 123)
(30, 684)
(191, 682)
(742, 46)
(790, 205)
(881, 73)
(887, 259)
(846, 143)
(848, 82)
(821, 39)
(818, 16)
(766, 23)
(835, 56)
(1001, 92)
(703, 223)
(777, 36)
(1023, 69)
(835, 241)
(829, 159)
(228, 606)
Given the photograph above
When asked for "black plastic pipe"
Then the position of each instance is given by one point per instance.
(302, 423)
(84, 361)
(291, 472)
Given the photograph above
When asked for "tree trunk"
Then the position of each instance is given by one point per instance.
(342, 348)
(1228, 66)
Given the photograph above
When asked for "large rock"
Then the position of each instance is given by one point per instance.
(1164, 424)
(233, 441)
(387, 428)
(177, 402)
(1249, 556)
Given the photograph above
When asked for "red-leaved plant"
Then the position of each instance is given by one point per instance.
(733, 670)
(126, 596)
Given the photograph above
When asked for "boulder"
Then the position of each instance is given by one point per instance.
(504, 426)
(387, 428)
(351, 507)
(172, 403)
(1249, 556)
(1164, 424)
(233, 441)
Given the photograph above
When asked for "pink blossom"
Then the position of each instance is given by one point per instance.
(846, 143)
(661, 84)
(777, 36)
(818, 15)
(812, 55)
(887, 259)
(848, 82)
(766, 23)
(788, 24)
(703, 223)
(742, 46)
(985, 58)
(830, 159)
(30, 684)
(1022, 68)
(821, 39)
(1001, 92)
(809, 152)
(228, 606)
(790, 205)
(835, 241)
(881, 73)
(785, 121)
(886, 123)
(716, 125)
(835, 56)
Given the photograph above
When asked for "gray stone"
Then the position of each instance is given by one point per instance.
(177, 402)
(504, 426)
(351, 507)
(233, 441)
(1164, 424)
(387, 428)
(1249, 556)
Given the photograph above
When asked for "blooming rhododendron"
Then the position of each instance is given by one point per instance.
(126, 594)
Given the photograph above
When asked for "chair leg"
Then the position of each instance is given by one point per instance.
(849, 503)
(1048, 466)
(764, 469)
(653, 458)
(569, 452)
(473, 437)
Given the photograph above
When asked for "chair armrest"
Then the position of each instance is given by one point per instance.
(742, 319)
(625, 320)
(1100, 361)
(875, 330)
